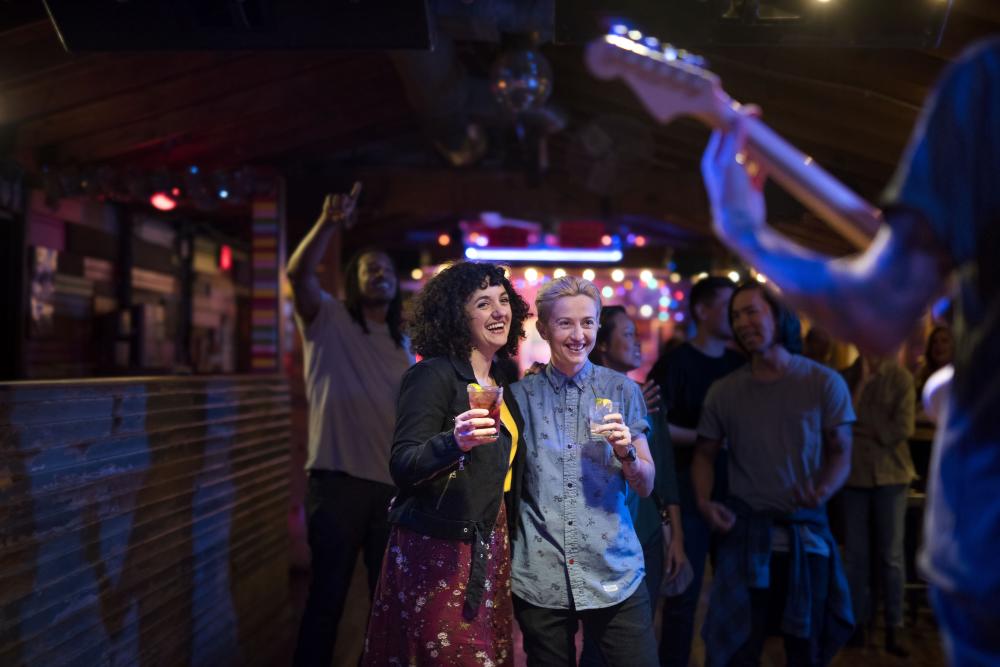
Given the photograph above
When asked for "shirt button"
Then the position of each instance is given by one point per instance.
(569, 446)
(570, 485)
(570, 522)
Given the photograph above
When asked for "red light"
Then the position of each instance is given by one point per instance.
(679, 295)
(444, 240)
(163, 201)
(605, 240)
(175, 192)
(640, 241)
(225, 257)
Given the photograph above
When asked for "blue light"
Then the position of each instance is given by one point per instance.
(620, 29)
(665, 301)
(543, 255)
(223, 194)
(193, 169)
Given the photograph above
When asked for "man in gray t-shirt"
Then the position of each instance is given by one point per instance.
(786, 422)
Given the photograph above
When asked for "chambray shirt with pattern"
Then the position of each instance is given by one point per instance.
(575, 546)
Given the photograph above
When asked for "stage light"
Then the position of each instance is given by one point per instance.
(531, 275)
(675, 277)
(416, 274)
(163, 202)
(605, 240)
(646, 310)
(193, 169)
(543, 255)
(761, 278)
(588, 274)
(483, 241)
(223, 194)
(679, 295)
(225, 257)
(640, 241)
(559, 273)
(664, 317)
(700, 276)
(734, 276)
(607, 292)
(665, 301)
(645, 275)
(444, 240)
(618, 275)
(678, 317)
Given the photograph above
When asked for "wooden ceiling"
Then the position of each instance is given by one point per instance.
(339, 111)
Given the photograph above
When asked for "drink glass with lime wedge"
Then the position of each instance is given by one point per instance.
(487, 398)
(600, 408)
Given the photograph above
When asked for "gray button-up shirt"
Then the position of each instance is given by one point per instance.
(576, 547)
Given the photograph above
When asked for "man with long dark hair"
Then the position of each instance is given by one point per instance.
(355, 355)
(785, 420)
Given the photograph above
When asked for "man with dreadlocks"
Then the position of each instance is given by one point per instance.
(355, 355)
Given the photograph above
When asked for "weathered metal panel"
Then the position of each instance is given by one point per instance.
(143, 521)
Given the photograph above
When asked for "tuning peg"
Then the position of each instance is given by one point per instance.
(669, 52)
(692, 59)
(634, 35)
(652, 43)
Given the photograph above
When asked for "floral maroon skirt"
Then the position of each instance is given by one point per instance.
(417, 611)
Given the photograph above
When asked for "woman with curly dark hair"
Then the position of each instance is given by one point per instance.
(443, 597)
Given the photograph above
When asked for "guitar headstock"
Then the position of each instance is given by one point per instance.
(670, 82)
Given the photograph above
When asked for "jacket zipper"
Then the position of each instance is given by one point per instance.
(447, 482)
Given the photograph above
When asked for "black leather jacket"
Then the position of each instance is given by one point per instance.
(436, 497)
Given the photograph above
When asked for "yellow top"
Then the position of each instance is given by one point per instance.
(508, 422)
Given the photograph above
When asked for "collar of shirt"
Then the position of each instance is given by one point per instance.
(558, 379)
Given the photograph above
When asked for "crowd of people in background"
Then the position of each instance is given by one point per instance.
(542, 512)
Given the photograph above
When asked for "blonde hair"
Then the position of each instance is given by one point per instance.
(564, 287)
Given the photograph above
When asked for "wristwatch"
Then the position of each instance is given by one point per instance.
(629, 454)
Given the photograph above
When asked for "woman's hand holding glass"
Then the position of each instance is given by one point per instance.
(613, 429)
(473, 428)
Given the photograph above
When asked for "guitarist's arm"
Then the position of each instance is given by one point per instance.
(873, 297)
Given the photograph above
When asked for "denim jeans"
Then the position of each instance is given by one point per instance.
(882, 508)
(970, 629)
(768, 605)
(344, 515)
(623, 632)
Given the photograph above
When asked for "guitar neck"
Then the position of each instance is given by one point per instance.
(854, 218)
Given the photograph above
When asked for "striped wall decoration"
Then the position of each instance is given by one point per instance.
(265, 297)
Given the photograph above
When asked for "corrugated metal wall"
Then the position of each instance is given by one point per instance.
(144, 521)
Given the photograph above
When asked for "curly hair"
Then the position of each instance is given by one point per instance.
(439, 326)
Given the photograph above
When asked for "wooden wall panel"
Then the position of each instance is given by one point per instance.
(144, 521)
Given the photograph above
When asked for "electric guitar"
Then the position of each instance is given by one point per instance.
(671, 82)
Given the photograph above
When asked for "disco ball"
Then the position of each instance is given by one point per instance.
(521, 80)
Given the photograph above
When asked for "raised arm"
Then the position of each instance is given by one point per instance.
(889, 283)
(338, 213)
